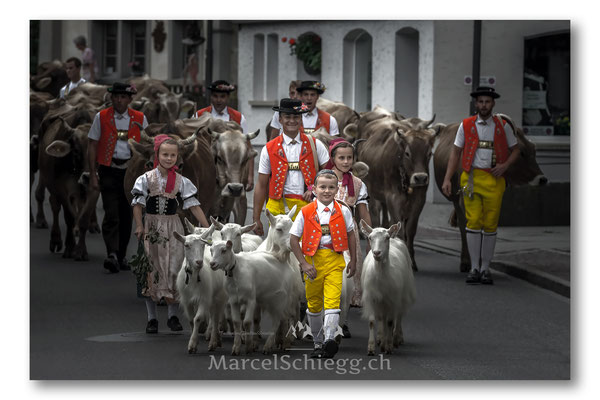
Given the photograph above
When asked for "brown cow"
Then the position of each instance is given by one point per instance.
(231, 154)
(398, 154)
(156, 101)
(63, 164)
(343, 114)
(196, 164)
(74, 116)
(524, 170)
(50, 77)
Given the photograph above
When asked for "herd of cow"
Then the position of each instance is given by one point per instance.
(397, 151)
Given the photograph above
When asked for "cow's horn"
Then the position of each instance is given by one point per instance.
(66, 124)
(425, 124)
(507, 119)
(143, 133)
(191, 139)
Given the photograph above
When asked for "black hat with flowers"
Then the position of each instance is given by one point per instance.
(122, 88)
(311, 85)
(291, 106)
(221, 86)
(485, 91)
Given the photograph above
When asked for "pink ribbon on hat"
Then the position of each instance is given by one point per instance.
(347, 177)
(171, 176)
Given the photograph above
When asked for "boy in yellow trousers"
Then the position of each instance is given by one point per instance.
(327, 229)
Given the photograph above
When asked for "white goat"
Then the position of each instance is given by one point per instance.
(201, 290)
(256, 278)
(278, 242)
(388, 286)
(242, 241)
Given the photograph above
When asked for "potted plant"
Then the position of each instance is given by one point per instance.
(307, 48)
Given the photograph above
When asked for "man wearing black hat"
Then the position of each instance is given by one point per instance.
(488, 147)
(288, 165)
(314, 119)
(109, 149)
(219, 97)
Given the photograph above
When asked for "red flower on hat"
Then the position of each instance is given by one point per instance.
(292, 41)
(284, 39)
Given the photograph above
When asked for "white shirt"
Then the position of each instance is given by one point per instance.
(324, 216)
(187, 190)
(224, 116)
(485, 131)
(309, 120)
(362, 198)
(122, 150)
(294, 182)
(71, 86)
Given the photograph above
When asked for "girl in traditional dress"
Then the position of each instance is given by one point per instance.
(353, 192)
(160, 191)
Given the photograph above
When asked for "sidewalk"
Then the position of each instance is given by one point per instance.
(540, 255)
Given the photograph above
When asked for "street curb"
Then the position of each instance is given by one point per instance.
(535, 277)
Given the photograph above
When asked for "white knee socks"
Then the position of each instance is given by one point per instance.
(172, 309)
(487, 249)
(332, 320)
(315, 321)
(151, 307)
(474, 246)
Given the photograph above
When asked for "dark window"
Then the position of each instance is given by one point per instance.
(110, 47)
(546, 85)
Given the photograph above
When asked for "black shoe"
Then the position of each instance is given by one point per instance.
(124, 265)
(346, 332)
(486, 278)
(317, 352)
(473, 278)
(330, 348)
(152, 326)
(111, 263)
(174, 324)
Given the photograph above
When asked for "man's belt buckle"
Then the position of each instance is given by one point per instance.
(309, 130)
(485, 144)
(122, 135)
(325, 229)
(294, 166)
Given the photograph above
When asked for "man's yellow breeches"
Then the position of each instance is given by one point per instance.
(326, 288)
(483, 210)
(277, 207)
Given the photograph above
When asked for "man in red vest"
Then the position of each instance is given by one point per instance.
(109, 149)
(327, 229)
(288, 165)
(219, 98)
(488, 148)
(309, 92)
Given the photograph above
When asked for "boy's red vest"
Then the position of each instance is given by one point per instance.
(311, 236)
(108, 136)
(472, 141)
(279, 165)
(234, 115)
(323, 120)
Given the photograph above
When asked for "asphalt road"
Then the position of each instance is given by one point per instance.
(88, 324)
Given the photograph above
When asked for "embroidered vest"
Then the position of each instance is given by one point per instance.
(234, 115)
(311, 236)
(342, 193)
(279, 165)
(323, 120)
(108, 133)
(472, 142)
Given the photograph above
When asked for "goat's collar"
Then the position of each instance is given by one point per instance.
(229, 272)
